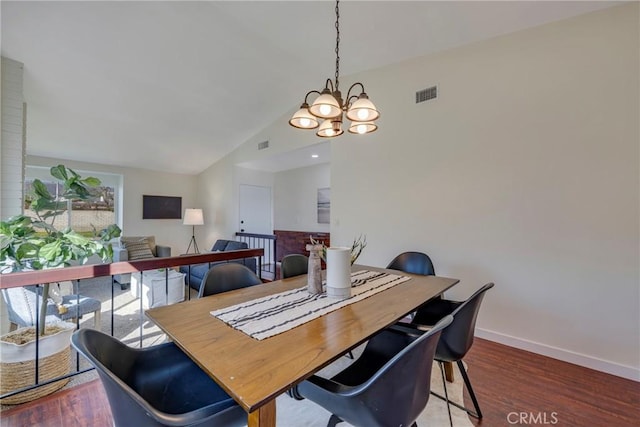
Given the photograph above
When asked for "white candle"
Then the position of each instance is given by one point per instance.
(339, 272)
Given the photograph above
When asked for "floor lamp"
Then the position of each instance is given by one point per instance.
(193, 217)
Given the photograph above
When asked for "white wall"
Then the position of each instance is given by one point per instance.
(296, 197)
(12, 140)
(136, 182)
(524, 172)
(217, 190)
(11, 150)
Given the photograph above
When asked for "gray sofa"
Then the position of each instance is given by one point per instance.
(195, 273)
(122, 254)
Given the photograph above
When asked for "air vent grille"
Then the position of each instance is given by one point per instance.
(426, 94)
(262, 145)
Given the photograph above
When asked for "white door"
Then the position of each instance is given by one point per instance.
(255, 209)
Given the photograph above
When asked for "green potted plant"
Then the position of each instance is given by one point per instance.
(28, 243)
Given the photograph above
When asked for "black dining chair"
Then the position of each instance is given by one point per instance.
(456, 339)
(227, 277)
(414, 263)
(293, 265)
(156, 386)
(388, 385)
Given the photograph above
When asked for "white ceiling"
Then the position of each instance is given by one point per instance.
(174, 86)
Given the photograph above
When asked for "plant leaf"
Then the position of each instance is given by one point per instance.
(50, 251)
(91, 181)
(59, 172)
(77, 239)
(41, 190)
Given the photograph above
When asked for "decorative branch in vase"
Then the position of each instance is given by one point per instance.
(357, 247)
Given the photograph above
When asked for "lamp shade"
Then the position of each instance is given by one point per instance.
(325, 106)
(302, 119)
(363, 110)
(193, 217)
(329, 130)
(362, 127)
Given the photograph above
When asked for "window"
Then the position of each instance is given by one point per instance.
(83, 216)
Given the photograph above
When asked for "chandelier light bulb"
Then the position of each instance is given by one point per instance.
(326, 106)
(363, 115)
(361, 128)
(302, 119)
(363, 109)
(325, 109)
(329, 129)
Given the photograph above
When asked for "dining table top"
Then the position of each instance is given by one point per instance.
(254, 372)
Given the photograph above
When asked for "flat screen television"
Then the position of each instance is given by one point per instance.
(161, 207)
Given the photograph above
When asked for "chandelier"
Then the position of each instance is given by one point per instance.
(330, 106)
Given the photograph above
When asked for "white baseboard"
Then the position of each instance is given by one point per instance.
(629, 372)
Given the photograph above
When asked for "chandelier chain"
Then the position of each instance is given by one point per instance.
(337, 42)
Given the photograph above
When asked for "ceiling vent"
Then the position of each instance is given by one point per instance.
(426, 94)
(262, 145)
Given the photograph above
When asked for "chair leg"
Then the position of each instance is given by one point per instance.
(446, 394)
(333, 421)
(467, 383)
(294, 394)
(463, 371)
(97, 319)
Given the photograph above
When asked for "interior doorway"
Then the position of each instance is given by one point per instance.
(255, 210)
(256, 224)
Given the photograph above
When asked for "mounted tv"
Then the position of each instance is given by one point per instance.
(161, 207)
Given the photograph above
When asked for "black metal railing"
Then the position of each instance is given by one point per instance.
(262, 241)
(81, 278)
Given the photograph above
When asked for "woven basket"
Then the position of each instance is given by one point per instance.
(21, 374)
(17, 365)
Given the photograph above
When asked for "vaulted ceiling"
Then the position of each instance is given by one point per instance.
(174, 86)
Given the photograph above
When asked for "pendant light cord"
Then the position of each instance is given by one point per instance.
(337, 42)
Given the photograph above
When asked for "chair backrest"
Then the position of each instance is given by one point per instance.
(155, 386)
(112, 360)
(403, 383)
(227, 277)
(413, 262)
(457, 338)
(21, 305)
(219, 245)
(234, 245)
(294, 265)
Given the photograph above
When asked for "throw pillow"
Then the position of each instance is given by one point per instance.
(139, 250)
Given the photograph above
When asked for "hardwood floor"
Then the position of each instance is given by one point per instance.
(513, 387)
(507, 381)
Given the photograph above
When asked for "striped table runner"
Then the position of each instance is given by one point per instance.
(268, 316)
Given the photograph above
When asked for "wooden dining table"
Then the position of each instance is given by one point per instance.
(255, 372)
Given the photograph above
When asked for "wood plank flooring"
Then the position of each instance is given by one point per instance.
(507, 382)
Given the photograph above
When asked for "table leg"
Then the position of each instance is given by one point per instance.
(448, 371)
(264, 416)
